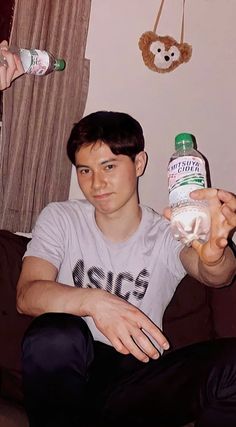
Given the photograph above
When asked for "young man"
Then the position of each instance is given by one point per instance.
(98, 275)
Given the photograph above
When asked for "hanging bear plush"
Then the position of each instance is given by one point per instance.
(163, 53)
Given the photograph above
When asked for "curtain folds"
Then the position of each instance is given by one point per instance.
(39, 112)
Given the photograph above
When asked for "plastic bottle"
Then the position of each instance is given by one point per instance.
(190, 219)
(35, 61)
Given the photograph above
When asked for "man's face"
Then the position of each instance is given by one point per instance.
(108, 181)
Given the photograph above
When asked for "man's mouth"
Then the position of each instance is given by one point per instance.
(101, 196)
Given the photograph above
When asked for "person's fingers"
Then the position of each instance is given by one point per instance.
(227, 198)
(221, 242)
(19, 66)
(230, 215)
(204, 193)
(119, 346)
(167, 213)
(11, 68)
(125, 344)
(3, 66)
(144, 343)
(3, 52)
(134, 349)
(3, 43)
(3, 77)
(154, 332)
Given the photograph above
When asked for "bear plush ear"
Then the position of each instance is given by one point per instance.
(163, 53)
(186, 52)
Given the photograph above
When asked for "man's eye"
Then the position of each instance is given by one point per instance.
(109, 167)
(83, 171)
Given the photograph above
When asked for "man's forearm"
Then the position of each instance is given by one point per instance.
(42, 296)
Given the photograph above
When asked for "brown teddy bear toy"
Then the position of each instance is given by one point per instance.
(163, 53)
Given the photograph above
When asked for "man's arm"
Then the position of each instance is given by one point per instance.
(213, 262)
(218, 274)
(38, 292)
(124, 325)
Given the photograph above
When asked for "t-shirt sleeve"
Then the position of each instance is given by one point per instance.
(48, 240)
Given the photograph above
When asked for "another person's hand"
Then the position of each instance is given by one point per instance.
(222, 205)
(125, 326)
(12, 70)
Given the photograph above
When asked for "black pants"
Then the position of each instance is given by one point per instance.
(71, 381)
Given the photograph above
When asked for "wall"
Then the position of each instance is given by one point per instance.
(199, 97)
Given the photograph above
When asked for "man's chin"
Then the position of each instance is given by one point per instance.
(104, 208)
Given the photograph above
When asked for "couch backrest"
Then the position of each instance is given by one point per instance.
(12, 324)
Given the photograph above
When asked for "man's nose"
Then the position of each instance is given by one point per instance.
(98, 180)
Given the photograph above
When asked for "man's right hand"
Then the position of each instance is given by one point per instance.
(125, 326)
(12, 70)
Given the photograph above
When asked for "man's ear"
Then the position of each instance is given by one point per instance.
(140, 163)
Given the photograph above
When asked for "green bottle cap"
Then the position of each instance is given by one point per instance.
(60, 65)
(183, 141)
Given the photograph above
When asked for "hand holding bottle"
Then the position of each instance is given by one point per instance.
(11, 70)
(222, 207)
(15, 61)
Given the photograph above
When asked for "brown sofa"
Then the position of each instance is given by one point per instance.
(195, 313)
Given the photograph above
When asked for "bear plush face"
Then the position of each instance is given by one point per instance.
(163, 53)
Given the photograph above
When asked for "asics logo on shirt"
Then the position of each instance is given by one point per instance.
(123, 284)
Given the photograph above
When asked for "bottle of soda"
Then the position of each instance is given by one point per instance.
(190, 219)
(35, 61)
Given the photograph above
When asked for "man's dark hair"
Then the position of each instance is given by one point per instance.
(121, 132)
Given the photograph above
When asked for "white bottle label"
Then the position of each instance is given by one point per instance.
(185, 174)
(34, 61)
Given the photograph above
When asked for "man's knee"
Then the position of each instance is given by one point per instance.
(55, 341)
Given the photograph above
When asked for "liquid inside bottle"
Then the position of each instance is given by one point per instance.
(190, 219)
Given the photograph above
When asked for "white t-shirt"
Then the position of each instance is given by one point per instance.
(144, 270)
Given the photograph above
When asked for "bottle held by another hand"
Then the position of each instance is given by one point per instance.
(35, 61)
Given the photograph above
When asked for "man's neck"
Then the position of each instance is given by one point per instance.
(119, 226)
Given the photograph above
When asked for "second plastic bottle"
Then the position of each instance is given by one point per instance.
(35, 61)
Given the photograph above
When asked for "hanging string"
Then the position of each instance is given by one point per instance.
(159, 15)
(182, 29)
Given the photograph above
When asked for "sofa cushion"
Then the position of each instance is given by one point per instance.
(187, 319)
(223, 303)
(12, 324)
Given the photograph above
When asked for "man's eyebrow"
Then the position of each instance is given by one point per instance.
(112, 159)
(81, 166)
(104, 162)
